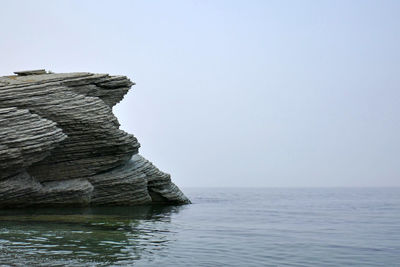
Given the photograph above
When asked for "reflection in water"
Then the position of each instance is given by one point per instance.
(117, 236)
(223, 227)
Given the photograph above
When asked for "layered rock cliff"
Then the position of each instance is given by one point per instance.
(60, 144)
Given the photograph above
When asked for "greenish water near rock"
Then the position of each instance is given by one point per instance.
(223, 227)
(83, 236)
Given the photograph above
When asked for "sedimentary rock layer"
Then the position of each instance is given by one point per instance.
(25, 138)
(61, 144)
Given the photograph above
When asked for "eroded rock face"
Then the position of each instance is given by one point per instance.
(60, 144)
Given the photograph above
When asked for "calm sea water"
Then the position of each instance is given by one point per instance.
(223, 227)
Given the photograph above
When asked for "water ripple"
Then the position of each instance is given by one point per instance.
(225, 227)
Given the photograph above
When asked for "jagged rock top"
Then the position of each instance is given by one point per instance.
(37, 76)
(30, 72)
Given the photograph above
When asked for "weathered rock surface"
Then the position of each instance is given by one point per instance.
(60, 144)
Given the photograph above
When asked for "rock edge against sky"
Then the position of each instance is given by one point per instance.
(60, 144)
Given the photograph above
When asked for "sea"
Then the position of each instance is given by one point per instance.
(223, 227)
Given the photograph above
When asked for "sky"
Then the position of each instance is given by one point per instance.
(235, 93)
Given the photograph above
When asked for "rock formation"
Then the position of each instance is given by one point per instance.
(60, 144)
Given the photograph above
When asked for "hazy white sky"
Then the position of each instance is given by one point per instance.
(235, 93)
